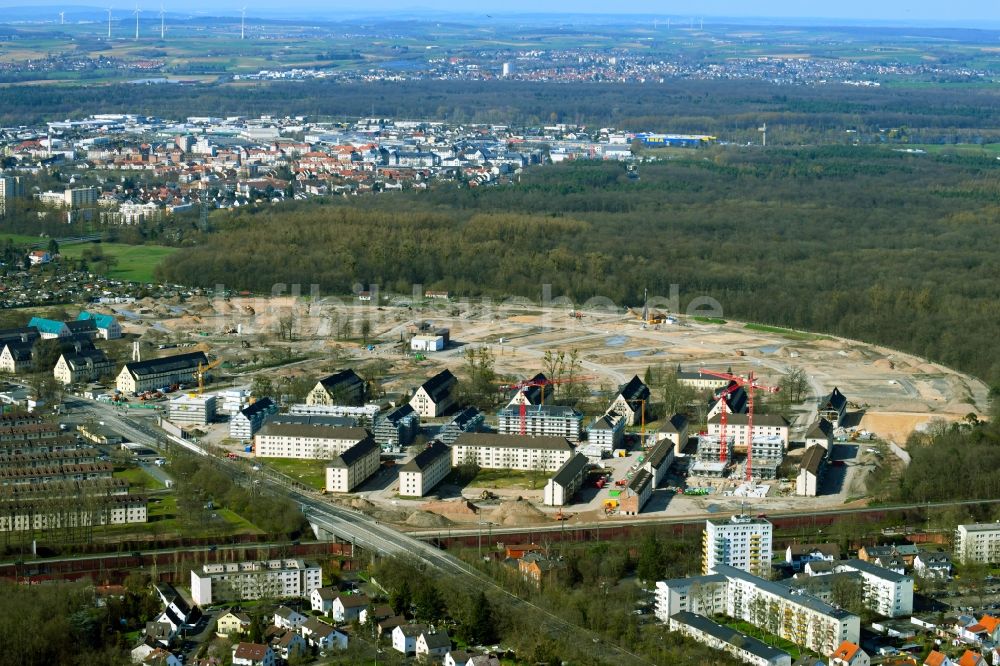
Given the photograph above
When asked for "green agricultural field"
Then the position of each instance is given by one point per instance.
(310, 472)
(135, 263)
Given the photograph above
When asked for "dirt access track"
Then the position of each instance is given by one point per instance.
(891, 392)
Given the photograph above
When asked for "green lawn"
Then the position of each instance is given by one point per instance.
(137, 479)
(774, 641)
(136, 263)
(709, 320)
(509, 478)
(310, 472)
(22, 239)
(785, 332)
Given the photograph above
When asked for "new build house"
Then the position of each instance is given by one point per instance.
(352, 467)
(491, 451)
(541, 421)
(434, 397)
(343, 387)
(426, 470)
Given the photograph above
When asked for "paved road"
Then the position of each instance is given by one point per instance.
(368, 534)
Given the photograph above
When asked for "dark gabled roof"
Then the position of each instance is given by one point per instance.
(175, 363)
(427, 457)
(19, 351)
(728, 635)
(490, 439)
(355, 453)
(571, 469)
(835, 400)
(675, 424)
(533, 394)
(438, 639)
(813, 459)
(23, 334)
(659, 453)
(257, 406)
(78, 326)
(398, 414)
(639, 482)
(737, 399)
(438, 386)
(342, 379)
(314, 420)
(634, 390)
(81, 359)
(313, 431)
(822, 429)
(464, 417)
(353, 600)
(606, 422)
(169, 594)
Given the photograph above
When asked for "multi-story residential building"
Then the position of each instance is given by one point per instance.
(607, 432)
(541, 421)
(886, 592)
(434, 397)
(245, 423)
(469, 419)
(743, 542)
(397, 428)
(810, 470)
(80, 197)
(567, 480)
(16, 345)
(343, 387)
(233, 581)
(632, 402)
(11, 187)
(85, 365)
(747, 649)
(139, 376)
(658, 460)
(24, 514)
(833, 407)
(352, 467)
(767, 453)
(108, 327)
(764, 425)
(491, 451)
(315, 442)
(426, 470)
(674, 429)
(977, 542)
(820, 434)
(794, 615)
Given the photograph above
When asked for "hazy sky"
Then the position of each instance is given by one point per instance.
(968, 12)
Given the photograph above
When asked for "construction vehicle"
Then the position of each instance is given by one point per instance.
(561, 516)
(487, 495)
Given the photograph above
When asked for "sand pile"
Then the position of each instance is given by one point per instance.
(426, 519)
(884, 364)
(517, 512)
(451, 507)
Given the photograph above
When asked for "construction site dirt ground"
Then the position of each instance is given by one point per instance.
(891, 393)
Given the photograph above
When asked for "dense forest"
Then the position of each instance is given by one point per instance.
(731, 110)
(867, 243)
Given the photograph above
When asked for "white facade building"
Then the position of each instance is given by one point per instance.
(491, 451)
(426, 470)
(313, 442)
(232, 581)
(742, 542)
(978, 542)
(352, 467)
(541, 421)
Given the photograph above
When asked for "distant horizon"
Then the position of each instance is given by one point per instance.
(848, 13)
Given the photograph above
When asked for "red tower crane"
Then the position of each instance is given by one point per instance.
(542, 383)
(750, 385)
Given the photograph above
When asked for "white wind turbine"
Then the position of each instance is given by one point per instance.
(161, 22)
(137, 23)
(109, 22)
(243, 21)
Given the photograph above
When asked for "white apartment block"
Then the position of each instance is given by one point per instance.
(742, 542)
(352, 467)
(977, 542)
(795, 616)
(541, 421)
(746, 649)
(427, 469)
(607, 432)
(764, 425)
(312, 442)
(491, 451)
(886, 592)
(233, 581)
(54, 514)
